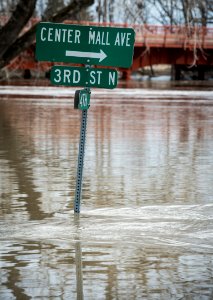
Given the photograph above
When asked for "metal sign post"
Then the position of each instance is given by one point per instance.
(81, 150)
(83, 97)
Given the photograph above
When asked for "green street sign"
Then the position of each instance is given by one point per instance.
(86, 77)
(90, 45)
(84, 99)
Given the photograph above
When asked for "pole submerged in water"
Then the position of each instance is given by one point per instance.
(80, 166)
(84, 103)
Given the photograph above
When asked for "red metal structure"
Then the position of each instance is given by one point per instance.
(174, 45)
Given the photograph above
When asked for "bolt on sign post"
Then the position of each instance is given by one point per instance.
(87, 45)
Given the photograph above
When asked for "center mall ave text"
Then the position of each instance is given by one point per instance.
(64, 35)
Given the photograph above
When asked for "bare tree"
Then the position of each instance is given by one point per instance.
(135, 11)
(183, 12)
(12, 42)
(165, 11)
(111, 8)
(7, 6)
(168, 12)
(19, 18)
(105, 10)
(53, 6)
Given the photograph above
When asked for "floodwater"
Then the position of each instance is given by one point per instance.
(145, 230)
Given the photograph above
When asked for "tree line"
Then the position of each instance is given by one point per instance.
(169, 12)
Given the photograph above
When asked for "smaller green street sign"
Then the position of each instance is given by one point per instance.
(86, 77)
(84, 99)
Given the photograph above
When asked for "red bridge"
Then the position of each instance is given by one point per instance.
(173, 45)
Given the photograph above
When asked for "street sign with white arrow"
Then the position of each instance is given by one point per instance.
(98, 55)
(90, 45)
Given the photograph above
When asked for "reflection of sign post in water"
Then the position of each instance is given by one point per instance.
(88, 45)
(78, 260)
(79, 276)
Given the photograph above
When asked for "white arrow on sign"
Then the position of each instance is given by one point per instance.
(101, 55)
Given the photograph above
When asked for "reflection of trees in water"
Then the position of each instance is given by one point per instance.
(37, 142)
(134, 152)
(40, 270)
(13, 274)
(17, 151)
(156, 145)
(69, 268)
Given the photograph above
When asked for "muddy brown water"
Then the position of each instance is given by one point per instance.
(145, 230)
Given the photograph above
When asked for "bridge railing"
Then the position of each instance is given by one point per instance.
(154, 35)
(166, 35)
(174, 36)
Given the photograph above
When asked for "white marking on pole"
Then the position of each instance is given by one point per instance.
(101, 55)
